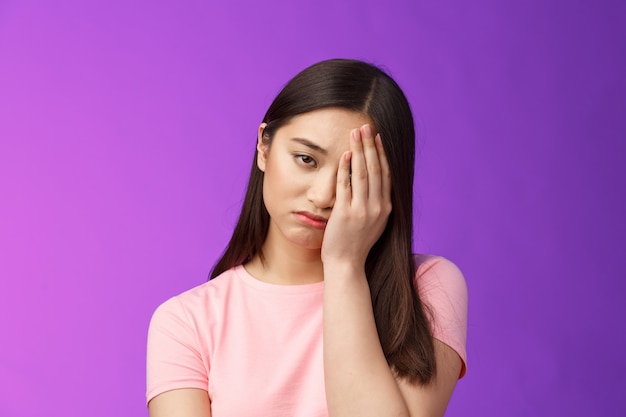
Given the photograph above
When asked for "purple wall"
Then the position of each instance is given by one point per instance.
(126, 134)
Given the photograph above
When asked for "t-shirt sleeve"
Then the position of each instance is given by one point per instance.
(173, 357)
(443, 290)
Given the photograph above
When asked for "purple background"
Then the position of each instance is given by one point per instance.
(126, 133)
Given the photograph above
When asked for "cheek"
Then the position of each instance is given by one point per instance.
(280, 178)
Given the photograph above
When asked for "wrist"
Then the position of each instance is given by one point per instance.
(344, 269)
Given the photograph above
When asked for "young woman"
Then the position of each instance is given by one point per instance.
(318, 306)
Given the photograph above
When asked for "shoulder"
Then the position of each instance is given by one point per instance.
(181, 335)
(434, 272)
(443, 291)
(195, 302)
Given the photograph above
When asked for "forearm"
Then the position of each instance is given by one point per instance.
(357, 377)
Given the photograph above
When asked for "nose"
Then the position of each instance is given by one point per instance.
(321, 191)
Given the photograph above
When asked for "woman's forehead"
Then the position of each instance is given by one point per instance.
(327, 128)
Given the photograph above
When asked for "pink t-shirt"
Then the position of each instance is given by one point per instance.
(256, 347)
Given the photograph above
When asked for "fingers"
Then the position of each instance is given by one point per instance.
(367, 167)
(372, 162)
(385, 170)
(358, 168)
(344, 192)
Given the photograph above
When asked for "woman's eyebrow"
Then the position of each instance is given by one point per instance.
(311, 145)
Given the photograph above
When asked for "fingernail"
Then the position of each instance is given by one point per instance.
(378, 139)
(356, 135)
(367, 130)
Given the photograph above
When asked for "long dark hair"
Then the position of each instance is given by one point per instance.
(401, 318)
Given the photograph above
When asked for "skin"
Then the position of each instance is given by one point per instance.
(330, 165)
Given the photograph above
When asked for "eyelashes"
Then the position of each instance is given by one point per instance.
(306, 160)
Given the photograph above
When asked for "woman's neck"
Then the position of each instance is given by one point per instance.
(286, 264)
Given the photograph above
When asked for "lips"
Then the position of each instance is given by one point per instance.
(310, 219)
(313, 216)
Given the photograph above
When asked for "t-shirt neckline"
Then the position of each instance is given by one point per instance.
(249, 280)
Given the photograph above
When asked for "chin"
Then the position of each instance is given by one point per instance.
(310, 243)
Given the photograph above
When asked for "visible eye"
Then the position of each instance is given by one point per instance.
(306, 160)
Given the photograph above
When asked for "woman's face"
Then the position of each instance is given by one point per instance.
(300, 170)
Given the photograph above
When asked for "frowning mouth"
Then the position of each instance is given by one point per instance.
(312, 220)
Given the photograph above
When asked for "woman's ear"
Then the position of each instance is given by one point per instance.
(262, 148)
